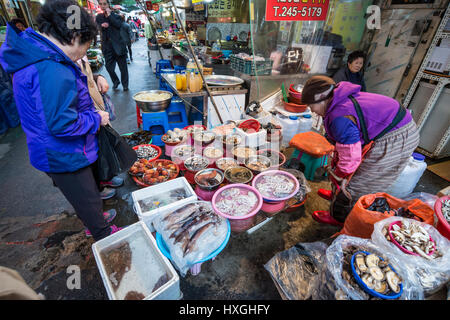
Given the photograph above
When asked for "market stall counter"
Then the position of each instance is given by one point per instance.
(230, 100)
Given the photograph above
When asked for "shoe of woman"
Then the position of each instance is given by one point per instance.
(107, 193)
(325, 217)
(326, 194)
(115, 182)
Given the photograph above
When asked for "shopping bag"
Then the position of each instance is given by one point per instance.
(312, 143)
(361, 220)
(109, 107)
(114, 154)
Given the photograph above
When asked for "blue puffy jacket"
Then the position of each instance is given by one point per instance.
(53, 101)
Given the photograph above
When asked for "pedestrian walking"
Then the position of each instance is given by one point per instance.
(134, 29)
(127, 35)
(114, 47)
(56, 111)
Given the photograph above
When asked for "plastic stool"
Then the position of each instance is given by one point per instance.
(195, 116)
(162, 64)
(311, 163)
(176, 113)
(157, 123)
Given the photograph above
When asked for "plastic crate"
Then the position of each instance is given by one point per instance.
(148, 265)
(161, 188)
(248, 67)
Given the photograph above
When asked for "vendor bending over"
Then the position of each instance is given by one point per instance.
(359, 122)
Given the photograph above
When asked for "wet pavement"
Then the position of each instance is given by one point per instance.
(40, 236)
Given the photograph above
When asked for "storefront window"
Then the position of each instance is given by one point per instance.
(295, 50)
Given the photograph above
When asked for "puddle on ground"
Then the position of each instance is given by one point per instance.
(124, 207)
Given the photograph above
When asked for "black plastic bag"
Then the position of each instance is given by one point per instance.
(114, 154)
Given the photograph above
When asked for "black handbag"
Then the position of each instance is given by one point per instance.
(114, 154)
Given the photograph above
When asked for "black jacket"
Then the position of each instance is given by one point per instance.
(126, 33)
(344, 74)
(111, 36)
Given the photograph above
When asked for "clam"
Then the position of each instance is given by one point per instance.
(380, 286)
(372, 260)
(376, 273)
(393, 281)
(360, 263)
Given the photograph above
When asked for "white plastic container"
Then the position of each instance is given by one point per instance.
(290, 126)
(409, 177)
(305, 123)
(148, 265)
(161, 189)
(253, 140)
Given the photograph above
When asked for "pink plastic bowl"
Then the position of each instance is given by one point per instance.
(239, 223)
(273, 207)
(442, 226)
(273, 172)
(401, 247)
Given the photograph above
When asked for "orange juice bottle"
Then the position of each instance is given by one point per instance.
(183, 81)
(191, 81)
(179, 81)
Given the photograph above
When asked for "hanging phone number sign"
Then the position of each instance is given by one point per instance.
(296, 10)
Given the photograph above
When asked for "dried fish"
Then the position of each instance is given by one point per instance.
(414, 238)
(446, 210)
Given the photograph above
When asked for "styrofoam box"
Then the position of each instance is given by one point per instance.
(149, 220)
(162, 188)
(148, 264)
(253, 140)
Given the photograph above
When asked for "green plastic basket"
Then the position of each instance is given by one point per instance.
(259, 68)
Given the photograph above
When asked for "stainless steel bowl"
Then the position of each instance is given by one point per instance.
(206, 171)
(259, 158)
(153, 106)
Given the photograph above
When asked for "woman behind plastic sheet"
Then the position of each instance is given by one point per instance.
(56, 111)
(352, 120)
(353, 71)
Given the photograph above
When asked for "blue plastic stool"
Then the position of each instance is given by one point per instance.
(157, 123)
(311, 163)
(194, 115)
(162, 64)
(177, 114)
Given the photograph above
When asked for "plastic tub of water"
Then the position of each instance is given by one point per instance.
(273, 199)
(239, 223)
(132, 266)
(196, 268)
(145, 201)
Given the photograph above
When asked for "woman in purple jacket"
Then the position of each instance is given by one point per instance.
(352, 120)
(56, 111)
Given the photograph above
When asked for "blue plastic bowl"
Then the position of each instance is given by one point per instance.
(366, 288)
(165, 251)
(227, 53)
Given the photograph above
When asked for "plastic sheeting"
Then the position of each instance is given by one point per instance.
(207, 241)
(433, 274)
(335, 257)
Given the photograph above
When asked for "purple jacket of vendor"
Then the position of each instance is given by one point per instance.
(378, 110)
(56, 111)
